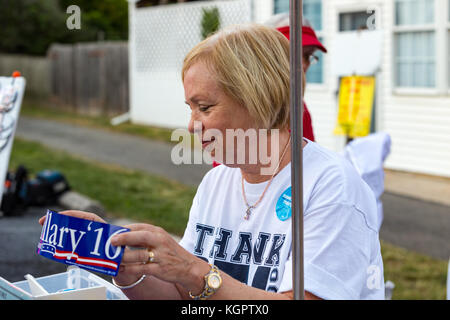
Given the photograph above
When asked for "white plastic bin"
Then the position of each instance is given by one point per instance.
(73, 284)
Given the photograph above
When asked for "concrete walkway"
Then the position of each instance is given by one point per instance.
(416, 207)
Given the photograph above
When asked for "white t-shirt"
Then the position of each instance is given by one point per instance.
(342, 258)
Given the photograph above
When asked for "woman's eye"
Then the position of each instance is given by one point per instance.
(204, 108)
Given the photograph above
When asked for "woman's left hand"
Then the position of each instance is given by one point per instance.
(171, 262)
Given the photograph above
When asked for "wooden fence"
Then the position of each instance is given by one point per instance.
(34, 69)
(90, 78)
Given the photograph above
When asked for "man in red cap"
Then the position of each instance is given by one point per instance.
(310, 43)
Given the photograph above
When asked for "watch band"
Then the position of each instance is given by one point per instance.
(207, 291)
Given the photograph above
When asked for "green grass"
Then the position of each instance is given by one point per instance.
(415, 276)
(123, 193)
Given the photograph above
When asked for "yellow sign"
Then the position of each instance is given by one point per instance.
(355, 106)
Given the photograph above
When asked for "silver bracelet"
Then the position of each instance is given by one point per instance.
(129, 286)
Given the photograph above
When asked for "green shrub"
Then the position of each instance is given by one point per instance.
(210, 21)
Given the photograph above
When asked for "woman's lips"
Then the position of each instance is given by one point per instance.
(206, 143)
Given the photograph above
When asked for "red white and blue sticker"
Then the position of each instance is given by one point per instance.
(81, 242)
(284, 204)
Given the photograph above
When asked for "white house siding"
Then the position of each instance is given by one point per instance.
(420, 132)
(419, 124)
(261, 10)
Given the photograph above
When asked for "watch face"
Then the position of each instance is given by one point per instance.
(214, 281)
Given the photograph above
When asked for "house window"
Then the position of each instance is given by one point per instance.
(312, 10)
(281, 6)
(415, 59)
(350, 21)
(414, 12)
(414, 44)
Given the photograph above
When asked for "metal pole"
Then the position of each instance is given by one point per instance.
(296, 106)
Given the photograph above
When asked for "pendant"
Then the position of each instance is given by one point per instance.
(248, 212)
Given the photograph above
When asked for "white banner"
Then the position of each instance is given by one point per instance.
(11, 94)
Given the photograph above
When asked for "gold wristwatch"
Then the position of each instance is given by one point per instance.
(213, 281)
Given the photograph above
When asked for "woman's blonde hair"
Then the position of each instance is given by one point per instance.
(251, 64)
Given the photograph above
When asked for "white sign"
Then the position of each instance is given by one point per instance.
(356, 53)
(11, 94)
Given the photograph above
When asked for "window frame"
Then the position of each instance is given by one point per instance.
(354, 11)
(442, 48)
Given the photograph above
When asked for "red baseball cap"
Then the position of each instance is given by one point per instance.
(309, 37)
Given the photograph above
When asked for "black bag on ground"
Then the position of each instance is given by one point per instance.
(19, 192)
(14, 199)
(46, 188)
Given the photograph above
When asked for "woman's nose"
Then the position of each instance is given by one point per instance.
(191, 123)
(195, 125)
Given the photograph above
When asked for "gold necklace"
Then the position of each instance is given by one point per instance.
(248, 212)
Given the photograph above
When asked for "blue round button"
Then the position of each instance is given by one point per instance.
(283, 207)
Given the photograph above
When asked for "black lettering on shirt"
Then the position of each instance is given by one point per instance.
(273, 259)
(244, 248)
(219, 250)
(202, 231)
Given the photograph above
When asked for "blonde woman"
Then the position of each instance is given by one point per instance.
(237, 244)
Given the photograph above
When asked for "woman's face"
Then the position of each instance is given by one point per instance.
(211, 108)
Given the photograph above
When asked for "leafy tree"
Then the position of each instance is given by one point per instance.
(31, 26)
(106, 17)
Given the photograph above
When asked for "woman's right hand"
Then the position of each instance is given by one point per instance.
(77, 214)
